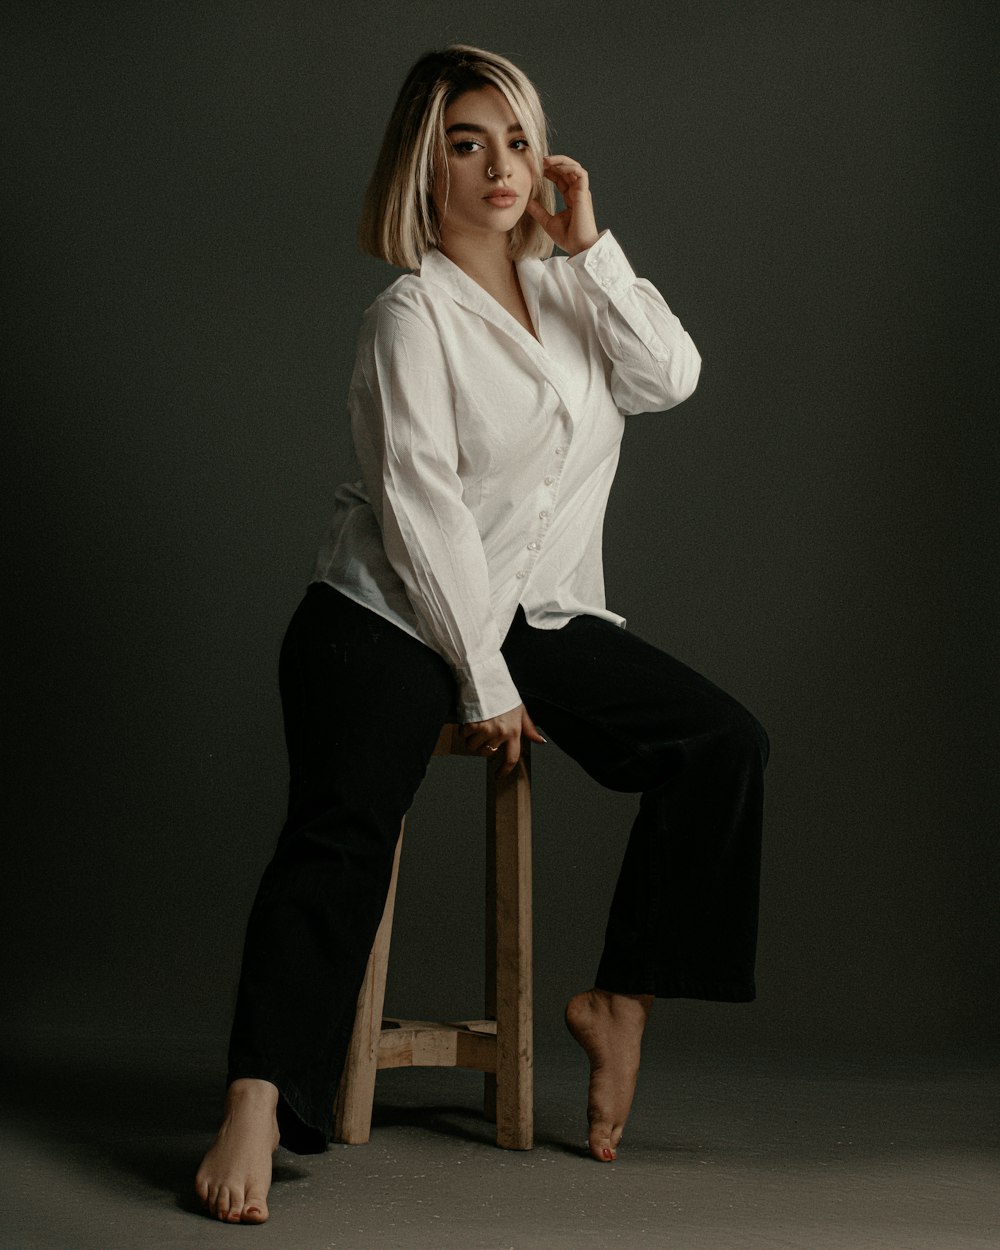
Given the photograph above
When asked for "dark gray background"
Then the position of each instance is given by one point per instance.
(814, 529)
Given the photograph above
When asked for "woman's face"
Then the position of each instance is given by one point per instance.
(482, 132)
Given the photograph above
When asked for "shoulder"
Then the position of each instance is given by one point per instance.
(405, 292)
(400, 309)
(402, 324)
(409, 299)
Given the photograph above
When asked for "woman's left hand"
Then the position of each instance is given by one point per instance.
(484, 737)
(574, 229)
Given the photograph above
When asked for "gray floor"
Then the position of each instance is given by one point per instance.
(99, 1141)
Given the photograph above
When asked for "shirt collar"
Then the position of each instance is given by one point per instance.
(444, 274)
(436, 268)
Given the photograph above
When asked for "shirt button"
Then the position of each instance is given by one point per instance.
(543, 515)
(549, 481)
(533, 546)
(560, 451)
(520, 573)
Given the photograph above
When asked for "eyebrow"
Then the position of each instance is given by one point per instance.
(481, 130)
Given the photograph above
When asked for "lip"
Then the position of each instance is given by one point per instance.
(501, 199)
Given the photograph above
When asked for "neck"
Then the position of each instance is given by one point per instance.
(485, 260)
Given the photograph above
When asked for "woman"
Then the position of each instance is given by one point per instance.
(488, 402)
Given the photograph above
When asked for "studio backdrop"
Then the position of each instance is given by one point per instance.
(814, 529)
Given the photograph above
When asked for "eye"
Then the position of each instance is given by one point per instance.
(520, 145)
(464, 147)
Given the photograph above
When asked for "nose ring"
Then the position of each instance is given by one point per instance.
(490, 173)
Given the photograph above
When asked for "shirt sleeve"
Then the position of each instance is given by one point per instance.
(404, 406)
(654, 364)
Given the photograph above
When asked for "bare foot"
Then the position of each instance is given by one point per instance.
(235, 1175)
(609, 1028)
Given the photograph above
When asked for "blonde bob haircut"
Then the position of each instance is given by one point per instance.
(399, 222)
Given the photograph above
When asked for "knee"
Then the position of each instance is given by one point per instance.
(762, 740)
(746, 735)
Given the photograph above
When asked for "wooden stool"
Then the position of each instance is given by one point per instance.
(500, 1045)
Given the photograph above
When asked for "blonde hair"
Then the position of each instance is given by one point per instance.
(399, 222)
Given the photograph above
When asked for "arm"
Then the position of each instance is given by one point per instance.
(402, 409)
(654, 364)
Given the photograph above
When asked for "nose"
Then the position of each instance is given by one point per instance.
(501, 164)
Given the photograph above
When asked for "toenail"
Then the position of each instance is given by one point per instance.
(607, 1153)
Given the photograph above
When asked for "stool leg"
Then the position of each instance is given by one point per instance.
(357, 1085)
(509, 984)
(490, 946)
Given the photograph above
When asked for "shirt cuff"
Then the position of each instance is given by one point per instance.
(603, 271)
(485, 690)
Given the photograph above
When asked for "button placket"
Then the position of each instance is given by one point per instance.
(551, 481)
(534, 545)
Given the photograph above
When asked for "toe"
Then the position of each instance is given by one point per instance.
(601, 1146)
(235, 1206)
(255, 1208)
(224, 1203)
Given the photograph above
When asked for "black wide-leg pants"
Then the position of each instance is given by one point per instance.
(364, 703)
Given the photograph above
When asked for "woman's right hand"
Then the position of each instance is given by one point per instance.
(486, 737)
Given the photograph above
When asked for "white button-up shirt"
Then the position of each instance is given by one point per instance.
(487, 455)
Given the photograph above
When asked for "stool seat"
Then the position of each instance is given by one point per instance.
(500, 1045)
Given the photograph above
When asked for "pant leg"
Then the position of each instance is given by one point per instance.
(683, 919)
(363, 705)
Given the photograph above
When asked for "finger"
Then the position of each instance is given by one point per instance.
(529, 729)
(513, 754)
(477, 740)
(573, 187)
(563, 162)
(557, 159)
(557, 174)
(540, 214)
(564, 166)
(551, 223)
(562, 179)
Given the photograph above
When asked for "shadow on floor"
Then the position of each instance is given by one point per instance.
(149, 1114)
(135, 1113)
(460, 1121)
